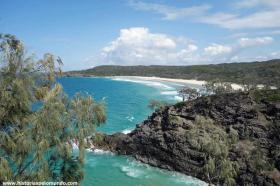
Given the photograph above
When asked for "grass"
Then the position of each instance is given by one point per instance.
(266, 95)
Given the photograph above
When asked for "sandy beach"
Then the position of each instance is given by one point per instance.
(179, 81)
(171, 80)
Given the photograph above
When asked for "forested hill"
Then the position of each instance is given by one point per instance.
(266, 72)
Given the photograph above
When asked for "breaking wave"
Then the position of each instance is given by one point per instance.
(155, 84)
(126, 131)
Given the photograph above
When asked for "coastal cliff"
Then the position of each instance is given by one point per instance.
(228, 139)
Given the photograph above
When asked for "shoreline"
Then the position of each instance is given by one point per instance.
(153, 78)
(182, 82)
(169, 80)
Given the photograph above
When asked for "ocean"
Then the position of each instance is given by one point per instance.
(127, 105)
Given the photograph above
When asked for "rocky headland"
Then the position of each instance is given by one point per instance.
(228, 139)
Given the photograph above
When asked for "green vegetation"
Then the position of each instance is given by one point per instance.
(218, 87)
(266, 72)
(211, 139)
(38, 122)
(217, 143)
(266, 95)
(188, 93)
(173, 119)
(156, 104)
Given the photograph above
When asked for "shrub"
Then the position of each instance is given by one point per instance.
(215, 143)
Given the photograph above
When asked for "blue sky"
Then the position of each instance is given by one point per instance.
(144, 32)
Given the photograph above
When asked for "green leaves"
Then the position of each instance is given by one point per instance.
(38, 121)
(5, 170)
(188, 93)
(218, 87)
(215, 143)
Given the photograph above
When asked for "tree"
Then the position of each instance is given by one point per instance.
(215, 143)
(218, 87)
(188, 93)
(248, 83)
(38, 122)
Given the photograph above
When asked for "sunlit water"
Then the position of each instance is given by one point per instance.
(127, 105)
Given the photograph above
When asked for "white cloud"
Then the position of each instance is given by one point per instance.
(275, 55)
(270, 32)
(249, 58)
(187, 55)
(136, 46)
(254, 3)
(217, 18)
(216, 49)
(254, 34)
(169, 12)
(260, 19)
(264, 15)
(232, 53)
(191, 48)
(248, 42)
(139, 46)
(139, 36)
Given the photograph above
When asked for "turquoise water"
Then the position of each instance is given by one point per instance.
(126, 106)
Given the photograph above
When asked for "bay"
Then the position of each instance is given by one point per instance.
(127, 105)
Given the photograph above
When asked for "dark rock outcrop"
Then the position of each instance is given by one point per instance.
(162, 140)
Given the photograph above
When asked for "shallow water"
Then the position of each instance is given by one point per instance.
(126, 106)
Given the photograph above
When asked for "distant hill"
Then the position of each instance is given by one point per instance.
(266, 72)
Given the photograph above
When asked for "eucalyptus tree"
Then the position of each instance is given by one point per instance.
(38, 122)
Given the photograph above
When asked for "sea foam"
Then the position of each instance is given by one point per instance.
(172, 92)
(181, 178)
(131, 171)
(101, 152)
(178, 98)
(126, 131)
(147, 82)
(167, 90)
